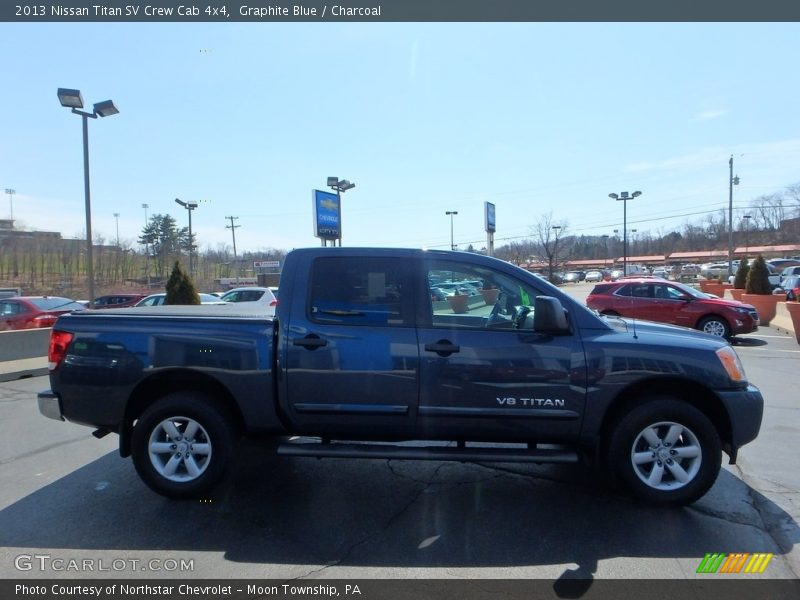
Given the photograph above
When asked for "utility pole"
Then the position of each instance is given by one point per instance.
(233, 227)
(732, 181)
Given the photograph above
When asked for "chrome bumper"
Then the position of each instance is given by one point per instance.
(49, 405)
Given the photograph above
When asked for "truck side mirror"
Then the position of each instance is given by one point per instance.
(549, 316)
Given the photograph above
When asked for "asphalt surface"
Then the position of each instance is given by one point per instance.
(67, 495)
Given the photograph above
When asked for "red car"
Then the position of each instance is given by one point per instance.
(31, 312)
(675, 303)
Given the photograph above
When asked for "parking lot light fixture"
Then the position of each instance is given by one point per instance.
(451, 214)
(747, 234)
(339, 186)
(554, 260)
(73, 100)
(189, 206)
(624, 197)
(11, 193)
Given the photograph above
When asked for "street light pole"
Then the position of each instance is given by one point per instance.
(11, 193)
(341, 186)
(116, 216)
(189, 206)
(451, 213)
(624, 196)
(554, 260)
(746, 235)
(146, 249)
(732, 181)
(73, 99)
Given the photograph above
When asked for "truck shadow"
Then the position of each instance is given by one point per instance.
(393, 514)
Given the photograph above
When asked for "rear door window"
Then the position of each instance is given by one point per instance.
(367, 291)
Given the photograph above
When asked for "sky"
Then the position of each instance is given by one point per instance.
(247, 119)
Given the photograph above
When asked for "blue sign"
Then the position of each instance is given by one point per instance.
(327, 215)
(491, 224)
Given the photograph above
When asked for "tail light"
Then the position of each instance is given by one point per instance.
(44, 321)
(59, 342)
(274, 303)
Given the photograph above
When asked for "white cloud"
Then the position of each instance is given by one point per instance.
(708, 115)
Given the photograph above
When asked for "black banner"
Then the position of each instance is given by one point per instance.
(399, 10)
(708, 588)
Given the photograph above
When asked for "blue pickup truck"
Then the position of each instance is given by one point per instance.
(361, 355)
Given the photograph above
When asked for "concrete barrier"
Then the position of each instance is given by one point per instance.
(25, 343)
(782, 320)
(23, 353)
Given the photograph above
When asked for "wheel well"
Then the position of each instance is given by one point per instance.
(714, 315)
(164, 383)
(690, 392)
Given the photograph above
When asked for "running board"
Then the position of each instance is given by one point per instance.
(476, 454)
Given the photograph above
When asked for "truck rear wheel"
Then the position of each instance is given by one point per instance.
(666, 452)
(182, 445)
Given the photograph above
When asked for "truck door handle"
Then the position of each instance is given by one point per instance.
(311, 342)
(443, 347)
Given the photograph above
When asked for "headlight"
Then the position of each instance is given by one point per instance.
(731, 363)
(744, 311)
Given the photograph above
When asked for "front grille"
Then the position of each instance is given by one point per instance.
(754, 314)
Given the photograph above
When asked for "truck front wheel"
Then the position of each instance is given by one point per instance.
(666, 451)
(182, 445)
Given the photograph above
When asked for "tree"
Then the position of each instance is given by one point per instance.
(180, 287)
(740, 281)
(165, 240)
(758, 278)
(548, 236)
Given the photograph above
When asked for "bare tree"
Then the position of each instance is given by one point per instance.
(548, 236)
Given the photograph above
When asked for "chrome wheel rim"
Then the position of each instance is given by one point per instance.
(666, 456)
(716, 328)
(180, 449)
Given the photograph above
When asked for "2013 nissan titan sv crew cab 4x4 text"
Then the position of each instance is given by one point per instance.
(360, 355)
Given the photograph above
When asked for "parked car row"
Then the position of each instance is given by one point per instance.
(31, 312)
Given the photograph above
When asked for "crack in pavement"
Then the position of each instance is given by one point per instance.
(371, 535)
(7, 461)
(772, 527)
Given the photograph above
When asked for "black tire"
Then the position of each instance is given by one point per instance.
(176, 467)
(682, 444)
(716, 326)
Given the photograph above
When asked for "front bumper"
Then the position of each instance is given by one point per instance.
(745, 409)
(50, 405)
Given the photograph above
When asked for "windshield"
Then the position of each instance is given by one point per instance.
(64, 304)
(691, 291)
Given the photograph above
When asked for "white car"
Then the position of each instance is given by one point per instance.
(261, 297)
(593, 276)
(158, 299)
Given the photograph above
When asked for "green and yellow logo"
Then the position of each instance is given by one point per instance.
(741, 562)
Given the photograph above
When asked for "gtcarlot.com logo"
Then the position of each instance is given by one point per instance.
(742, 562)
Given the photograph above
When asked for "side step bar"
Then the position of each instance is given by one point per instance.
(477, 454)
